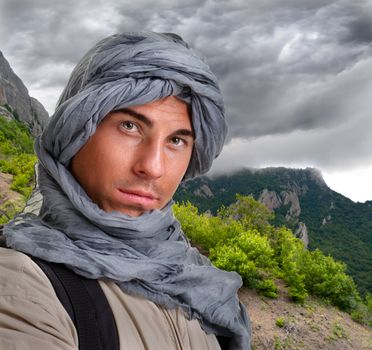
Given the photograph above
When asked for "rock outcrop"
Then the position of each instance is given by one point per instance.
(6, 113)
(204, 191)
(301, 233)
(292, 199)
(16, 100)
(272, 200)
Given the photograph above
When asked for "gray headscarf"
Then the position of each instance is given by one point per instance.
(147, 255)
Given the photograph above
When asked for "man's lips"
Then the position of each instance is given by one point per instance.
(138, 196)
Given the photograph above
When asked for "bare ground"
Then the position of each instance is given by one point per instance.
(9, 200)
(312, 326)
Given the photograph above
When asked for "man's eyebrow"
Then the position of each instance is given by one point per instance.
(149, 123)
(136, 115)
(183, 132)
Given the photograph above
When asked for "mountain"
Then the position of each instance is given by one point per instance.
(301, 200)
(15, 102)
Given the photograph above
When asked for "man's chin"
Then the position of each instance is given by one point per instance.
(128, 210)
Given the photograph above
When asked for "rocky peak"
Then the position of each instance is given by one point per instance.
(16, 100)
(316, 175)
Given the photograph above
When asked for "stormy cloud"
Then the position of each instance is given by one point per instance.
(296, 74)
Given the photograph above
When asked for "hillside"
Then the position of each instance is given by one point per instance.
(10, 201)
(21, 119)
(272, 262)
(301, 200)
(315, 325)
(278, 324)
(16, 167)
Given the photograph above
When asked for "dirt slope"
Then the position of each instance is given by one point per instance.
(10, 201)
(312, 326)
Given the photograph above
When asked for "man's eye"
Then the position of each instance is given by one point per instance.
(127, 125)
(177, 141)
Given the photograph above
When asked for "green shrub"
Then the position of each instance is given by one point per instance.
(204, 230)
(280, 322)
(289, 252)
(363, 311)
(250, 213)
(240, 238)
(8, 210)
(232, 258)
(17, 135)
(22, 169)
(251, 256)
(267, 287)
(327, 279)
(17, 157)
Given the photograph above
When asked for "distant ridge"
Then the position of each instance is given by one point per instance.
(301, 200)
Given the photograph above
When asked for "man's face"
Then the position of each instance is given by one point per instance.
(137, 157)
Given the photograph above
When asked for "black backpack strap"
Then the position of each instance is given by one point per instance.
(87, 306)
(2, 241)
(224, 342)
(2, 238)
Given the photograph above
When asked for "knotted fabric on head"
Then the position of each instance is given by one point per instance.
(135, 69)
(146, 255)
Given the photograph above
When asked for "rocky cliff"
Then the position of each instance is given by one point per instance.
(15, 101)
(302, 201)
(274, 200)
(284, 195)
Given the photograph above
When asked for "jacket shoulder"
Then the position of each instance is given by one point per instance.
(30, 311)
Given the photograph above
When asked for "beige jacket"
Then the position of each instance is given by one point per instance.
(31, 316)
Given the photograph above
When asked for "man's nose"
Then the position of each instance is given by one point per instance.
(150, 162)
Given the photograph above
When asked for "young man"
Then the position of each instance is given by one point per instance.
(140, 113)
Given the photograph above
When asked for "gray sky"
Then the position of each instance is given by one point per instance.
(296, 74)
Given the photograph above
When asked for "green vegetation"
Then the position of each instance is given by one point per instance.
(280, 322)
(16, 158)
(363, 312)
(337, 332)
(346, 235)
(277, 343)
(241, 238)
